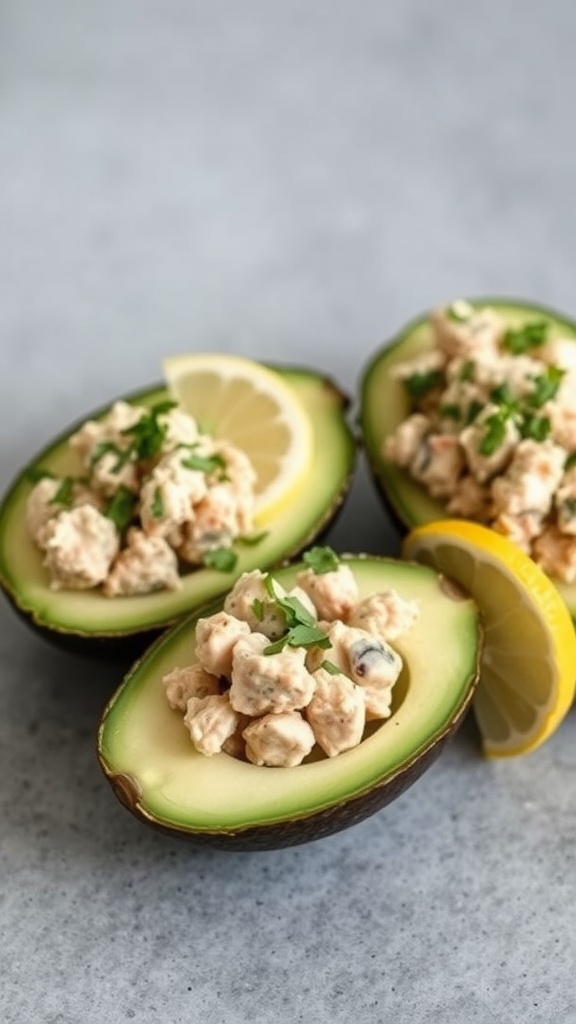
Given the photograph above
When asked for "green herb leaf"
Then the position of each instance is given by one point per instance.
(537, 428)
(321, 560)
(545, 386)
(474, 409)
(36, 473)
(102, 448)
(299, 636)
(570, 462)
(331, 668)
(302, 629)
(204, 463)
(65, 493)
(121, 508)
(222, 559)
(503, 395)
(258, 608)
(419, 384)
(522, 339)
(451, 411)
(148, 433)
(495, 432)
(467, 371)
(157, 507)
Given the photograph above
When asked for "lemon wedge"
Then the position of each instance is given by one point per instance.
(528, 673)
(248, 404)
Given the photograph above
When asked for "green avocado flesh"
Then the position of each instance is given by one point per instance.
(91, 614)
(147, 755)
(384, 404)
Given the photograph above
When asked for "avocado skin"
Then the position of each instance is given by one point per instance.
(129, 643)
(297, 831)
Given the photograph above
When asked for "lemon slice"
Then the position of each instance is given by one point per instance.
(243, 402)
(528, 673)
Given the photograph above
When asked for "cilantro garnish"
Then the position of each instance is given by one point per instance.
(221, 559)
(535, 427)
(321, 560)
(102, 448)
(495, 431)
(157, 506)
(65, 493)
(204, 463)
(331, 668)
(474, 408)
(419, 384)
(530, 335)
(121, 508)
(545, 386)
(301, 627)
(148, 433)
(451, 411)
(467, 370)
(37, 473)
(258, 608)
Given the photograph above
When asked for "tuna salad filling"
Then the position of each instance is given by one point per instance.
(279, 673)
(155, 498)
(491, 431)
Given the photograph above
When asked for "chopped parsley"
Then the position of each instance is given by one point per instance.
(65, 493)
(474, 409)
(148, 433)
(121, 508)
(258, 608)
(546, 386)
(301, 627)
(495, 431)
(221, 559)
(101, 448)
(467, 371)
(204, 463)
(157, 506)
(331, 668)
(537, 428)
(321, 560)
(451, 411)
(419, 384)
(520, 340)
(37, 473)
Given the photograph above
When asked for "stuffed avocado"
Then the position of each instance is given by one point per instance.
(88, 619)
(157, 765)
(469, 412)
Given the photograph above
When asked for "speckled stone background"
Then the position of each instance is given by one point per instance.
(290, 181)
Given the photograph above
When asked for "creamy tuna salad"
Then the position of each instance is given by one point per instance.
(492, 429)
(155, 498)
(279, 672)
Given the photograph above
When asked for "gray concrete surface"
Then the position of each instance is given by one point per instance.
(289, 181)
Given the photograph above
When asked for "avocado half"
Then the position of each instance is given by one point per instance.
(148, 758)
(384, 404)
(89, 622)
